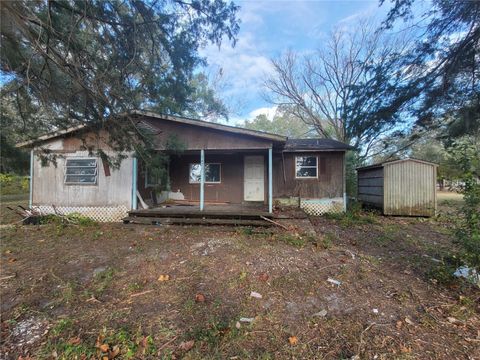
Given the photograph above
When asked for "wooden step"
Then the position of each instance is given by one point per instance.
(193, 221)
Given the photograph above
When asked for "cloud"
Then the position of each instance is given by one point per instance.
(268, 111)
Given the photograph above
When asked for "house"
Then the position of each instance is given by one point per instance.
(402, 187)
(240, 167)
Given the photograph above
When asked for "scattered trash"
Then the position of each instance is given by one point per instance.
(375, 311)
(246, 320)
(408, 321)
(432, 258)
(322, 313)
(256, 295)
(238, 325)
(452, 320)
(348, 252)
(468, 273)
(293, 340)
(334, 282)
(164, 278)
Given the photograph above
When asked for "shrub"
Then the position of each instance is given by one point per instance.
(13, 184)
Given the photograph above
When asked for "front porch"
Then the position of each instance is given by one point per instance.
(209, 182)
(213, 214)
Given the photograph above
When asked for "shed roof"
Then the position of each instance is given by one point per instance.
(293, 145)
(390, 162)
(178, 119)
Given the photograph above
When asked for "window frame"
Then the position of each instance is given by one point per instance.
(95, 175)
(309, 167)
(206, 182)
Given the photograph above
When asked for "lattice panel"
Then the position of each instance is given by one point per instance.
(317, 207)
(97, 213)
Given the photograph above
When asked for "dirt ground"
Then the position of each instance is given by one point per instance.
(361, 289)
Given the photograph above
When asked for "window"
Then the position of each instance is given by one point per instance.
(212, 173)
(81, 171)
(306, 167)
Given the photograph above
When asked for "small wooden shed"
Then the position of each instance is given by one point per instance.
(401, 187)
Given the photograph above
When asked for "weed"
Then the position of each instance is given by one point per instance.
(134, 287)
(246, 230)
(62, 326)
(212, 334)
(327, 240)
(102, 280)
(291, 239)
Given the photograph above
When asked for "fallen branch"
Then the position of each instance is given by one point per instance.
(359, 349)
(8, 277)
(141, 293)
(167, 343)
(274, 222)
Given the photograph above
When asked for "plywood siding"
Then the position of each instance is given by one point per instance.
(329, 183)
(49, 187)
(370, 186)
(230, 189)
(197, 137)
(410, 189)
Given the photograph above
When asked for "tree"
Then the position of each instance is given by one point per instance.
(282, 124)
(346, 89)
(443, 68)
(90, 61)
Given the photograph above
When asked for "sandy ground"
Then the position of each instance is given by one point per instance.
(362, 288)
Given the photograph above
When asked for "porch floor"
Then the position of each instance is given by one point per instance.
(246, 211)
(224, 214)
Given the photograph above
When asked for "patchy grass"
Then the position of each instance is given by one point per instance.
(92, 288)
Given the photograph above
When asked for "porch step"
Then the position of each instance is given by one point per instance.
(193, 221)
(176, 212)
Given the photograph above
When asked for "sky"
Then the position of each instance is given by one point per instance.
(269, 28)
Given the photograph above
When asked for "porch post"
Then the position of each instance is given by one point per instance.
(134, 183)
(30, 197)
(270, 183)
(202, 178)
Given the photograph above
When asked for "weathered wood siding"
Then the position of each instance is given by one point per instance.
(329, 183)
(197, 137)
(49, 187)
(230, 189)
(370, 186)
(410, 188)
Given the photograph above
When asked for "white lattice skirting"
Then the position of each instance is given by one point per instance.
(317, 207)
(97, 213)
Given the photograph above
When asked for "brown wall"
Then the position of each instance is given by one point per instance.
(197, 137)
(229, 190)
(328, 184)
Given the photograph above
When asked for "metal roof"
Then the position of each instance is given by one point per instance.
(316, 145)
(390, 162)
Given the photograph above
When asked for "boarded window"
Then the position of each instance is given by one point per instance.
(81, 171)
(212, 173)
(306, 167)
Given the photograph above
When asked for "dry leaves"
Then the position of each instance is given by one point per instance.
(164, 277)
(200, 298)
(293, 340)
(186, 345)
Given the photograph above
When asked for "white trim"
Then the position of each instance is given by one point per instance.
(206, 182)
(309, 167)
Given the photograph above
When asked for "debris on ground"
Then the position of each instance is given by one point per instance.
(321, 313)
(334, 282)
(256, 295)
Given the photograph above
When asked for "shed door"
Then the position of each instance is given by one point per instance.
(253, 178)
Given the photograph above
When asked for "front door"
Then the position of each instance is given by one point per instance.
(253, 178)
